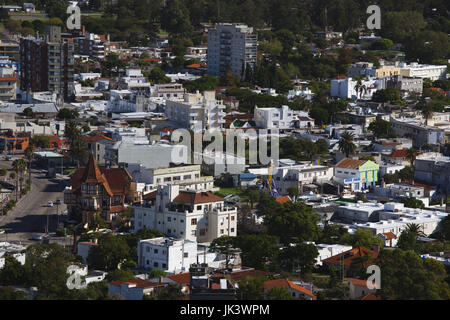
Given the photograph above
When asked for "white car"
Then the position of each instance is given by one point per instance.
(2, 231)
(50, 204)
(37, 237)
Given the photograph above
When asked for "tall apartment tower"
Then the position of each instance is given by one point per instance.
(47, 64)
(233, 46)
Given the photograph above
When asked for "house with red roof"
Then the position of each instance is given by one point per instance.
(195, 215)
(97, 145)
(134, 289)
(99, 191)
(296, 290)
(359, 289)
(353, 260)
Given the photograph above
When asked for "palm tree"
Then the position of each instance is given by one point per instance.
(346, 144)
(360, 88)
(29, 156)
(427, 113)
(12, 175)
(416, 229)
(19, 167)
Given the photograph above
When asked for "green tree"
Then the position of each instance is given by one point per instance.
(413, 203)
(293, 222)
(346, 144)
(120, 275)
(41, 141)
(67, 114)
(300, 256)
(223, 245)
(175, 18)
(157, 76)
(109, 252)
(28, 112)
(279, 293)
(170, 292)
(381, 128)
(29, 151)
(257, 250)
(156, 273)
(406, 276)
(251, 288)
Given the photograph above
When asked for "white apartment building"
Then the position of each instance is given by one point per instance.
(123, 101)
(346, 88)
(168, 91)
(158, 155)
(390, 217)
(432, 72)
(197, 111)
(293, 174)
(233, 46)
(421, 134)
(186, 176)
(433, 168)
(168, 254)
(135, 81)
(281, 118)
(186, 214)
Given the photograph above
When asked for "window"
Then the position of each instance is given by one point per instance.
(188, 177)
(176, 178)
(155, 251)
(202, 232)
(169, 219)
(182, 220)
(199, 207)
(193, 232)
(186, 254)
(221, 231)
(167, 179)
(164, 266)
(148, 262)
(232, 218)
(169, 230)
(155, 264)
(194, 222)
(232, 229)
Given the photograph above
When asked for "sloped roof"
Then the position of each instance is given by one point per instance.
(285, 283)
(401, 153)
(96, 138)
(358, 282)
(389, 235)
(181, 278)
(283, 199)
(116, 181)
(150, 195)
(196, 197)
(349, 255)
(350, 163)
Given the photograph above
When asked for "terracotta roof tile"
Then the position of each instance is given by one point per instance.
(181, 278)
(285, 283)
(350, 163)
(402, 153)
(349, 255)
(96, 138)
(196, 197)
(389, 235)
(358, 282)
(283, 199)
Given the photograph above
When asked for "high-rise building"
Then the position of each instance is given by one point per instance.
(231, 46)
(47, 64)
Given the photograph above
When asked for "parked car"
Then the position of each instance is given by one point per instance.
(36, 237)
(50, 204)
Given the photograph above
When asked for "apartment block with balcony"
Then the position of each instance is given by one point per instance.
(197, 111)
(47, 64)
(8, 84)
(231, 46)
(185, 214)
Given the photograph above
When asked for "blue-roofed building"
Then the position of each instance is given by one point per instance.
(245, 179)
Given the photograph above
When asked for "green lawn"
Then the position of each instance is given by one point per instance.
(242, 193)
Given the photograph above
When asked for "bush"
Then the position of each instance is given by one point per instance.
(60, 232)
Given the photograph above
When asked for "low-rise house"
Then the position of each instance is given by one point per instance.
(328, 250)
(245, 180)
(134, 289)
(359, 289)
(389, 239)
(350, 258)
(296, 290)
(433, 168)
(356, 175)
(97, 145)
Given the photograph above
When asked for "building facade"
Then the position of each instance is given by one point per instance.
(231, 46)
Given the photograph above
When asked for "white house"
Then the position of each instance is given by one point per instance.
(15, 250)
(275, 118)
(186, 214)
(346, 88)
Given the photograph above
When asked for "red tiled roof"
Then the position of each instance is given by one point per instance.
(350, 255)
(283, 199)
(96, 138)
(285, 283)
(181, 278)
(196, 197)
(358, 282)
(116, 181)
(389, 235)
(402, 153)
(194, 65)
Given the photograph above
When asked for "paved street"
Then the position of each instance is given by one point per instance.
(29, 217)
